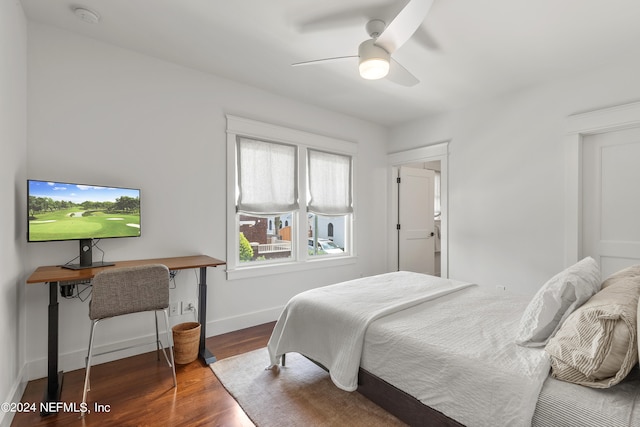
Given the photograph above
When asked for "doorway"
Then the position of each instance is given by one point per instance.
(610, 212)
(417, 233)
(408, 245)
(583, 132)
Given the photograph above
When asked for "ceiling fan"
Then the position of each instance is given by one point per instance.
(374, 54)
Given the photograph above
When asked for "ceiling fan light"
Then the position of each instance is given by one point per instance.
(374, 68)
(374, 60)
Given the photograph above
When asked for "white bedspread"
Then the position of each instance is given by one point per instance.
(457, 354)
(328, 324)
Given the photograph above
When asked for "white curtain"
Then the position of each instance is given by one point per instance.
(267, 177)
(329, 183)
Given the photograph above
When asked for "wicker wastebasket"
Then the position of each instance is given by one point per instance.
(186, 340)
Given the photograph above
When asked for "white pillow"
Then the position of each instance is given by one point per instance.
(556, 300)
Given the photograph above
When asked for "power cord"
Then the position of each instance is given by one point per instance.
(76, 290)
(172, 278)
(193, 309)
(95, 245)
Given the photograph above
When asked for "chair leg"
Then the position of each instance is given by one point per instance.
(88, 365)
(161, 346)
(170, 344)
(155, 315)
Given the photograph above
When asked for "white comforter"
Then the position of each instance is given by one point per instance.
(457, 354)
(328, 324)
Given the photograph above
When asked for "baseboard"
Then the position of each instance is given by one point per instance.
(76, 359)
(14, 396)
(233, 323)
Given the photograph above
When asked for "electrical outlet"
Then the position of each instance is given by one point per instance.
(501, 288)
(173, 309)
(189, 306)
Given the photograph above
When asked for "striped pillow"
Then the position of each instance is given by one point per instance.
(596, 345)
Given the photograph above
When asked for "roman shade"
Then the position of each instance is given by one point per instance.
(329, 183)
(267, 177)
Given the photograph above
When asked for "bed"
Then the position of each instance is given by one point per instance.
(435, 351)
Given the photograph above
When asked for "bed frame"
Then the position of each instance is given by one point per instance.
(404, 406)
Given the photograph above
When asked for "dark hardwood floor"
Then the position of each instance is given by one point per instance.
(138, 390)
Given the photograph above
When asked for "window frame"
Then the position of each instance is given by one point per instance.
(243, 127)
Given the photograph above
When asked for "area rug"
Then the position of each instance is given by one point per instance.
(300, 394)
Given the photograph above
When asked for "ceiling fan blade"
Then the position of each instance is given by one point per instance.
(404, 25)
(400, 75)
(320, 61)
(345, 17)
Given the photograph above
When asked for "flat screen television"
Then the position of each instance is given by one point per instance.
(64, 211)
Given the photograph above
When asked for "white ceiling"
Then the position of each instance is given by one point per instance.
(465, 51)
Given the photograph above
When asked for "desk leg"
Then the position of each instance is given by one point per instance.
(205, 354)
(54, 378)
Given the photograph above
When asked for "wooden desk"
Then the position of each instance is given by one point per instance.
(56, 274)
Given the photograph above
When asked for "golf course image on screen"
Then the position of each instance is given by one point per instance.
(61, 211)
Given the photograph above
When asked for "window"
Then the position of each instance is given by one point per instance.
(289, 200)
(329, 200)
(267, 193)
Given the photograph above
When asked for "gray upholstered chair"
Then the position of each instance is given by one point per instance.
(126, 290)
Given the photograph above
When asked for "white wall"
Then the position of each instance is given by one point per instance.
(506, 175)
(103, 115)
(13, 162)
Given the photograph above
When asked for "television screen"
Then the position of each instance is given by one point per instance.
(64, 211)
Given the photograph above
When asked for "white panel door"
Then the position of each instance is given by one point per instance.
(611, 199)
(416, 242)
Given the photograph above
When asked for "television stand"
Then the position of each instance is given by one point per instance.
(86, 257)
(94, 264)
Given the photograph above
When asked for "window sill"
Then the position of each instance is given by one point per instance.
(290, 267)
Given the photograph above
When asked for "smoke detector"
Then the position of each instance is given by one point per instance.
(87, 15)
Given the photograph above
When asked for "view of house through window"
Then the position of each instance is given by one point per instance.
(265, 237)
(270, 237)
(326, 234)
